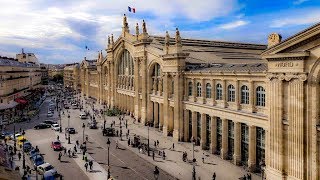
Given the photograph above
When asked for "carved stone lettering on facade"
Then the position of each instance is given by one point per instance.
(284, 64)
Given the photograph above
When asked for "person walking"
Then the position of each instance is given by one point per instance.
(60, 154)
(155, 143)
(64, 151)
(203, 156)
(58, 137)
(19, 155)
(153, 155)
(158, 143)
(69, 152)
(117, 147)
(214, 176)
(86, 166)
(129, 142)
(163, 155)
(90, 165)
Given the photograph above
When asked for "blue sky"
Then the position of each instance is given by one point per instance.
(58, 31)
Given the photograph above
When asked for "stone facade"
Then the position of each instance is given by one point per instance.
(71, 76)
(247, 103)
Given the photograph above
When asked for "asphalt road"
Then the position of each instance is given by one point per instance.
(124, 164)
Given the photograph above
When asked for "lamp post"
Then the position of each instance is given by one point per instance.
(148, 140)
(83, 127)
(108, 144)
(23, 157)
(60, 121)
(193, 160)
(68, 130)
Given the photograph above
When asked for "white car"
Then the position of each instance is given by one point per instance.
(17, 135)
(83, 116)
(55, 127)
(45, 167)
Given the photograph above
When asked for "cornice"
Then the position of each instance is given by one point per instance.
(287, 56)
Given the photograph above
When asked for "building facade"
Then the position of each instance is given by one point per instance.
(248, 103)
(17, 80)
(71, 76)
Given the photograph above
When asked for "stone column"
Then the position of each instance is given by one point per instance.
(165, 103)
(296, 144)
(224, 93)
(237, 143)
(203, 92)
(156, 114)
(178, 111)
(252, 148)
(194, 90)
(213, 92)
(251, 96)
(160, 116)
(203, 131)
(186, 125)
(144, 91)
(136, 87)
(237, 94)
(213, 144)
(224, 148)
(194, 125)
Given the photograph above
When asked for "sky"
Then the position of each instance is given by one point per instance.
(58, 31)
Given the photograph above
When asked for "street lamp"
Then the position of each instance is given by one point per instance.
(193, 159)
(83, 127)
(156, 173)
(108, 144)
(148, 140)
(23, 157)
(68, 130)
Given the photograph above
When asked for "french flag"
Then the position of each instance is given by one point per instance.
(130, 9)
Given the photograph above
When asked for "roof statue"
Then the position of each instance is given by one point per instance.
(137, 29)
(144, 27)
(125, 23)
(274, 39)
(112, 42)
(178, 38)
(108, 40)
(167, 39)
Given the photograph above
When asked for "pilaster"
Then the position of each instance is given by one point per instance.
(213, 145)
(136, 87)
(186, 125)
(237, 143)
(252, 148)
(144, 91)
(203, 131)
(156, 114)
(194, 124)
(160, 116)
(165, 103)
(224, 147)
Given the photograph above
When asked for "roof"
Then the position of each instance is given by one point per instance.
(12, 62)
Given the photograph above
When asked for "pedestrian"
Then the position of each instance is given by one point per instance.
(58, 137)
(90, 164)
(69, 152)
(158, 143)
(128, 131)
(19, 155)
(203, 157)
(117, 132)
(155, 143)
(153, 155)
(249, 176)
(129, 142)
(64, 151)
(214, 176)
(60, 154)
(163, 155)
(65, 135)
(86, 166)
(117, 147)
(173, 146)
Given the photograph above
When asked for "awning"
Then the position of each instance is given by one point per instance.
(8, 106)
(21, 101)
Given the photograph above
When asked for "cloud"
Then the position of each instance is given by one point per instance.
(309, 17)
(297, 2)
(234, 24)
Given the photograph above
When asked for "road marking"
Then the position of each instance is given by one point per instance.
(122, 161)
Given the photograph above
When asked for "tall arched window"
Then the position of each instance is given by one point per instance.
(261, 96)
(199, 89)
(190, 89)
(219, 92)
(208, 90)
(231, 93)
(126, 67)
(244, 94)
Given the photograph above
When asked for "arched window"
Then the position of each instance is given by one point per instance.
(156, 70)
(125, 67)
(199, 89)
(208, 90)
(190, 89)
(231, 93)
(244, 94)
(219, 92)
(261, 96)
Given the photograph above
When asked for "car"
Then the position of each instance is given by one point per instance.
(70, 130)
(50, 114)
(83, 116)
(27, 146)
(55, 127)
(56, 145)
(16, 135)
(37, 160)
(42, 126)
(46, 167)
(66, 107)
(32, 153)
(49, 122)
(108, 132)
(93, 126)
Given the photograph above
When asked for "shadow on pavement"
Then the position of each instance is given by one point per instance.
(65, 161)
(94, 171)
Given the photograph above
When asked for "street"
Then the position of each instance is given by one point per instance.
(123, 163)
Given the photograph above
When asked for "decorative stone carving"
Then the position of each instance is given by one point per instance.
(144, 28)
(167, 39)
(137, 29)
(178, 38)
(160, 85)
(125, 23)
(112, 42)
(274, 39)
(108, 40)
(287, 76)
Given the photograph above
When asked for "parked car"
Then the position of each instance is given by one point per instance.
(56, 145)
(55, 127)
(27, 146)
(93, 126)
(83, 116)
(17, 135)
(45, 167)
(33, 153)
(37, 160)
(50, 114)
(71, 130)
(49, 122)
(108, 131)
(42, 126)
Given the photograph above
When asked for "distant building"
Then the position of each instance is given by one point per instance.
(71, 76)
(27, 58)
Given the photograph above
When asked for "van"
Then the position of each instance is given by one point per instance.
(83, 116)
